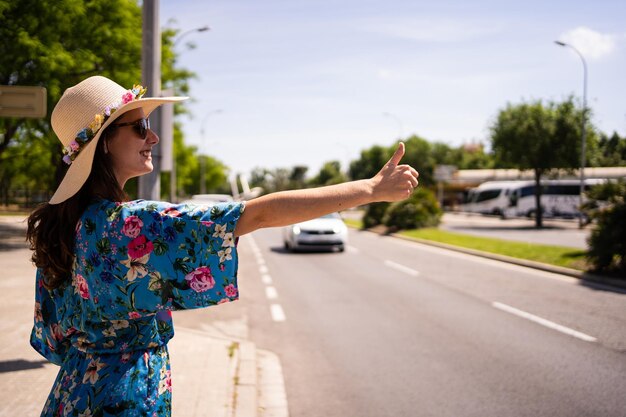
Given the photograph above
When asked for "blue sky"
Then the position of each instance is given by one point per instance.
(304, 82)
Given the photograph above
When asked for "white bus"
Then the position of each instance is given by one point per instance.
(559, 198)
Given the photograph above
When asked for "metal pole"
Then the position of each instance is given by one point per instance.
(584, 131)
(150, 184)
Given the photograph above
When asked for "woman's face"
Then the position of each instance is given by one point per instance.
(131, 155)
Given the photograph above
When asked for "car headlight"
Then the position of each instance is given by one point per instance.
(295, 230)
(338, 229)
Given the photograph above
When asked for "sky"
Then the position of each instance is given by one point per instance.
(302, 82)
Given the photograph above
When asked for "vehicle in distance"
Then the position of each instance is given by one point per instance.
(326, 232)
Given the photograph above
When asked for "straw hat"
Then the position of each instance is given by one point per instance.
(82, 114)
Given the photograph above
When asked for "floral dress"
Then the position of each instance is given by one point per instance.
(108, 328)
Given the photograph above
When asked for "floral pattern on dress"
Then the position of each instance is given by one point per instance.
(109, 326)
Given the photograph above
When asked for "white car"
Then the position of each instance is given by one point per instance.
(326, 232)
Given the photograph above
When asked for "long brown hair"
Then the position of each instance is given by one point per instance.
(52, 227)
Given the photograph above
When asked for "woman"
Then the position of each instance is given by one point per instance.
(110, 271)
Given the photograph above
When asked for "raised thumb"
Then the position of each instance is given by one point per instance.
(397, 156)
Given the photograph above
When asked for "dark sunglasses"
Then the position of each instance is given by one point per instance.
(140, 127)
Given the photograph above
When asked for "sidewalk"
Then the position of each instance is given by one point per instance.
(215, 373)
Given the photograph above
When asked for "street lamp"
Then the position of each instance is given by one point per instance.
(584, 132)
(182, 35)
(203, 158)
(173, 176)
(397, 119)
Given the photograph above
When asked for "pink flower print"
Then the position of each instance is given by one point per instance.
(165, 383)
(200, 279)
(74, 146)
(223, 301)
(127, 98)
(207, 223)
(57, 333)
(134, 315)
(230, 290)
(222, 267)
(139, 247)
(80, 286)
(170, 211)
(132, 226)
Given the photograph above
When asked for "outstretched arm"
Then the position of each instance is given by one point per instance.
(393, 183)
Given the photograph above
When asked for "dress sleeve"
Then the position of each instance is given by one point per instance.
(167, 257)
(47, 337)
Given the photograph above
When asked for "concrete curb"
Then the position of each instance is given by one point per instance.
(592, 279)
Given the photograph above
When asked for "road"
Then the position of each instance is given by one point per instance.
(557, 232)
(395, 328)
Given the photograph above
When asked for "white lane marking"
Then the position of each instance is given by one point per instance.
(544, 322)
(352, 249)
(260, 260)
(263, 269)
(266, 279)
(277, 312)
(402, 268)
(271, 293)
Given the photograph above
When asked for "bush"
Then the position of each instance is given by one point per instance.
(420, 210)
(374, 214)
(607, 242)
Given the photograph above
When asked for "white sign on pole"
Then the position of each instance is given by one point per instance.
(22, 101)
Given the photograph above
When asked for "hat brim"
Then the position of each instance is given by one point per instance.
(80, 168)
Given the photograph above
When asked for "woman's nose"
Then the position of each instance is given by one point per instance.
(152, 137)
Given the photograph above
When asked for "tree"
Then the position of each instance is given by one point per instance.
(612, 150)
(329, 174)
(541, 138)
(56, 44)
(607, 242)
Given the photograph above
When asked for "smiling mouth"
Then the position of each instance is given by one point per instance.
(146, 154)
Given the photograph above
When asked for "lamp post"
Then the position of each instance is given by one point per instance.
(173, 176)
(584, 131)
(397, 119)
(202, 157)
(187, 32)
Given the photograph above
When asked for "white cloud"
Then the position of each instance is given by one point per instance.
(591, 44)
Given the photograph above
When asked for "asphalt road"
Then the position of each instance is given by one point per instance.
(558, 232)
(393, 328)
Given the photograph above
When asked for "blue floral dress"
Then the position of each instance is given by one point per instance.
(108, 328)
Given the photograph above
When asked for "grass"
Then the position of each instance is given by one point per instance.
(553, 255)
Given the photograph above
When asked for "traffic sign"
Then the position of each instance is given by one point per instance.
(22, 101)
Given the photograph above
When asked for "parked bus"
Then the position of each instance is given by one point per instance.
(559, 198)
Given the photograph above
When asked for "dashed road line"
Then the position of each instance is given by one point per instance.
(277, 313)
(402, 268)
(271, 293)
(266, 279)
(544, 322)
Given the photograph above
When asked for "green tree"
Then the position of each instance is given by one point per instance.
(607, 242)
(329, 174)
(611, 150)
(56, 44)
(540, 138)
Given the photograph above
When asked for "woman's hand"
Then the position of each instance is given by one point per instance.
(394, 182)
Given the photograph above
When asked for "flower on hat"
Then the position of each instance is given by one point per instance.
(85, 135)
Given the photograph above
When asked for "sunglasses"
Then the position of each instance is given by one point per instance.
(140, 127)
